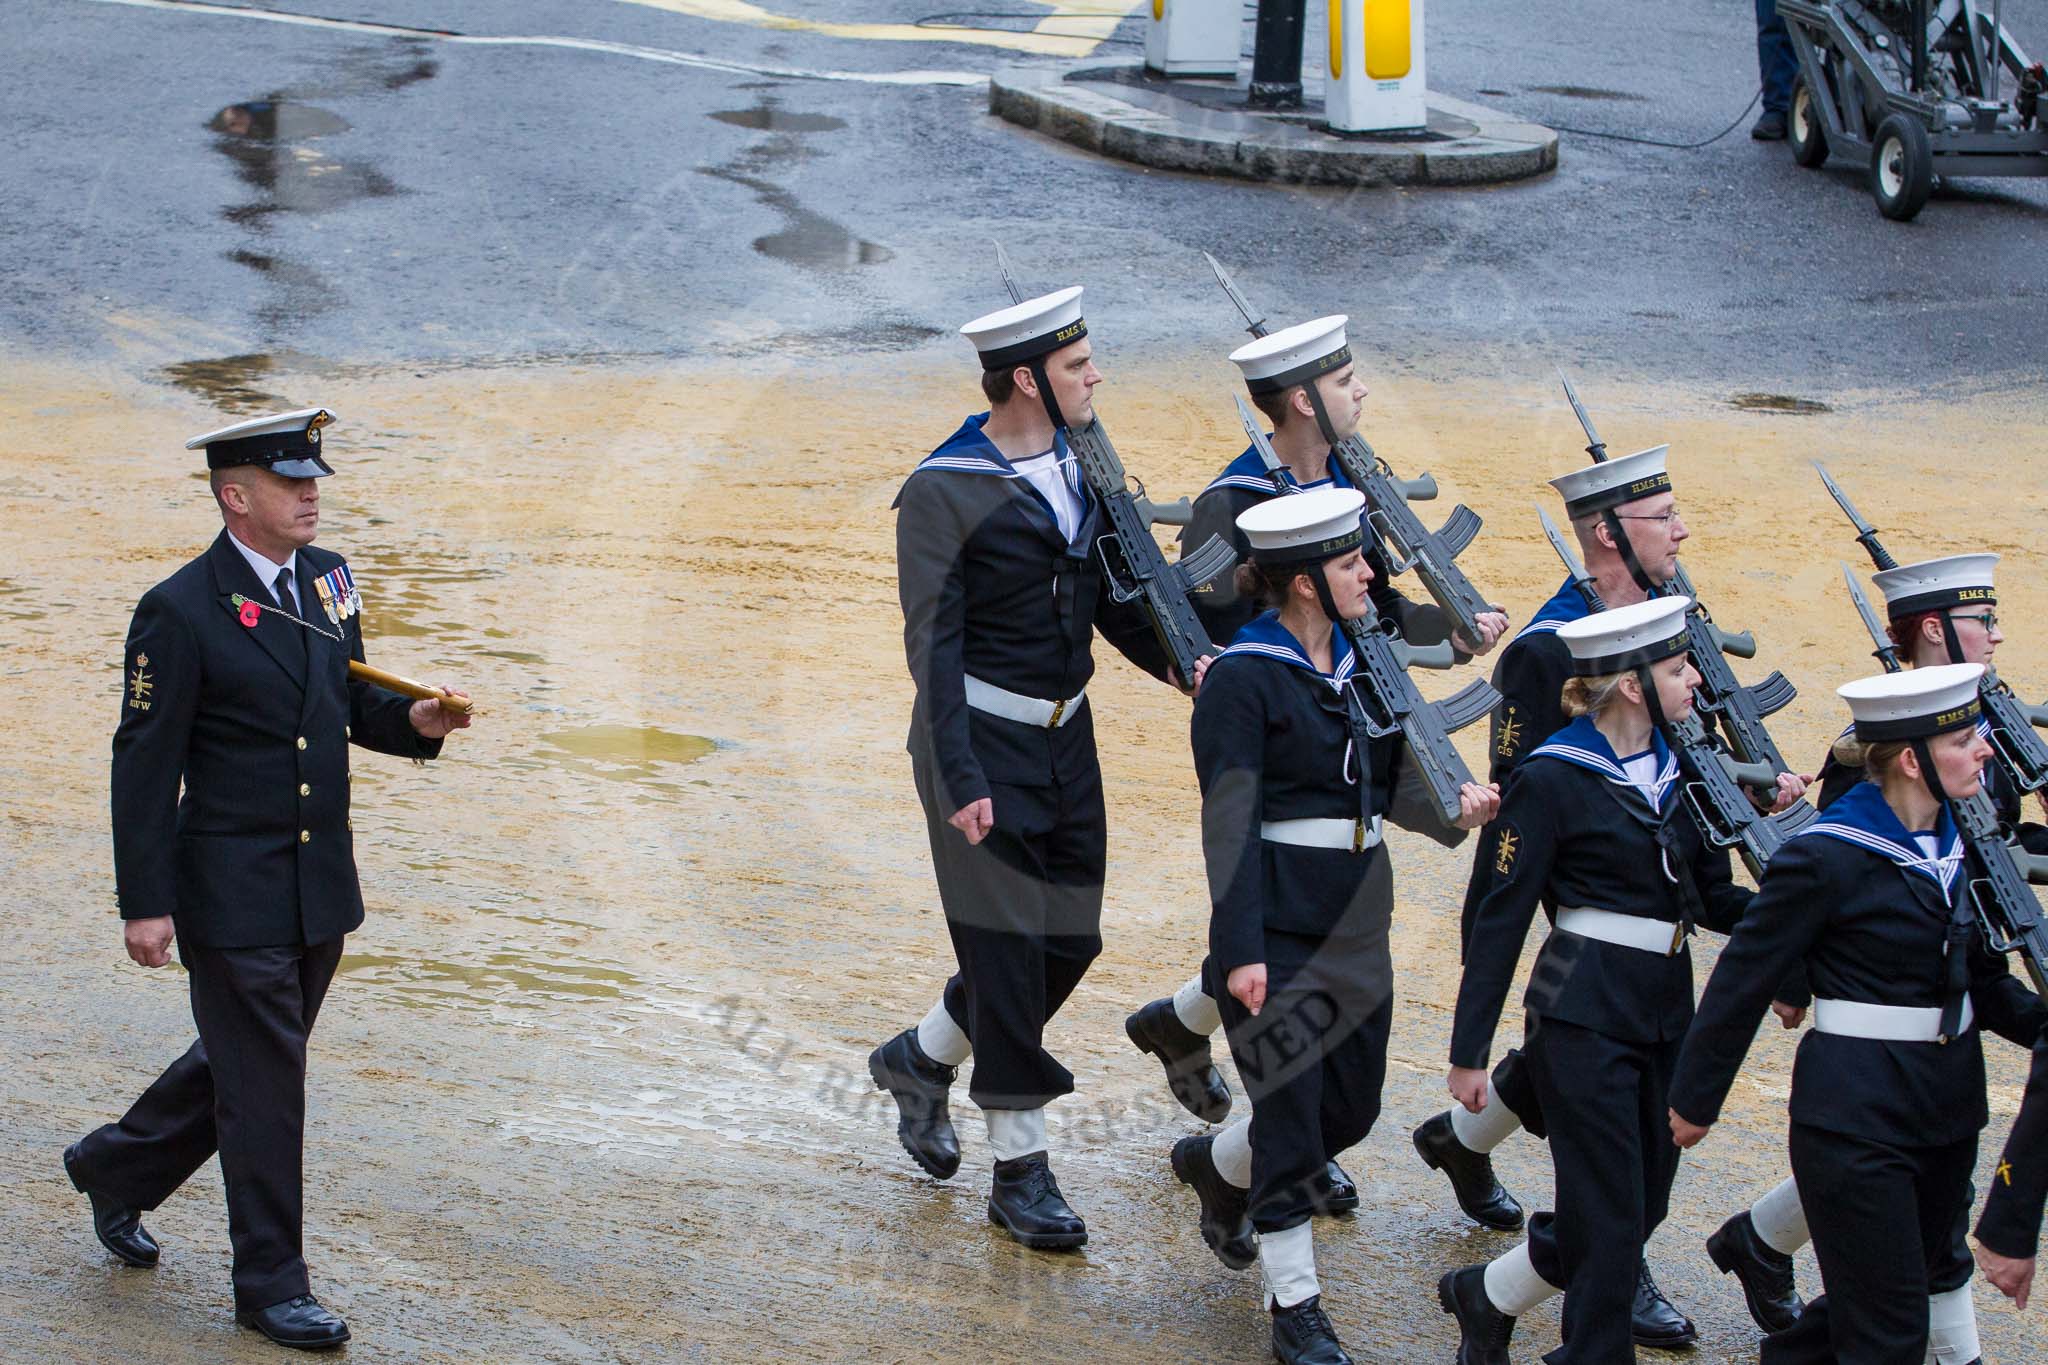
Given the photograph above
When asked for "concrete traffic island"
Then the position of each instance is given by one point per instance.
(1202, 125)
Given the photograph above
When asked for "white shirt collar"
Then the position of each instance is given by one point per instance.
(265, 568)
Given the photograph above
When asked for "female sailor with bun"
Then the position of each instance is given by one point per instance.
(1592, 823)
(1295, 794)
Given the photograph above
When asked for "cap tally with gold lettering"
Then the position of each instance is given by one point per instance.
(1614, 482)
(1627, 637)
(1294, 355)
(1304, 528)
(287, 443)
(1914, 704)
(1937, 584)
(1025, 331)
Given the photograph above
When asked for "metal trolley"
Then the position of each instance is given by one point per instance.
(1916, 88)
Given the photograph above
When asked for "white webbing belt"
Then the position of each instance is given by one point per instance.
(1886, 1023)
(998, 701)
(1355, 835)
(1660, 936)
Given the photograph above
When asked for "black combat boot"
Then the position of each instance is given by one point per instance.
(1478, 1191)
(1190, 1069)
(118, 1226)
(1653, 1320)
(1335, 1191)
(1026, 1200)
(1764, 1272)
(1302, 1335)
(1483, 1330)
(918, 1085)
(1226, 1209)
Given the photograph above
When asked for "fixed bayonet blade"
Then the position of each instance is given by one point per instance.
(1254, 324)
(1259, 441)
(1886, 652)
(1580, 580)
(1595, 447)
(1009, 276)
(1866, 534)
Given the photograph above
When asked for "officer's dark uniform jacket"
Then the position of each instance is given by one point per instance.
(1245, 483)
(2011, 1224)
(1853, 896)
(990, 588)
(1571, 824)
(256, 721)
(1272, 743)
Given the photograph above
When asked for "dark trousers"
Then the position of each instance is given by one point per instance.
(1776, 63)
(1884, 1220)
(241, 1090)
(1517, 1090)
(1610, 1144)
(1024, 909)
(1313, 1062)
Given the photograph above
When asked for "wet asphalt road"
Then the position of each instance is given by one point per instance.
(416, 199)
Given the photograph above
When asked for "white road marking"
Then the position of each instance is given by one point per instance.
(1071, 28)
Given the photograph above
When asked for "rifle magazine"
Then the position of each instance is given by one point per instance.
(1459, 529)
(1475, 701)
(1773, 694)
(1211, 558)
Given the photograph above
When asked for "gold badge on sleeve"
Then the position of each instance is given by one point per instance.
(139, 685)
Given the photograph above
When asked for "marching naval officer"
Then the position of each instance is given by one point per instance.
(1304, 380)
(1002, 594)
(235, 687)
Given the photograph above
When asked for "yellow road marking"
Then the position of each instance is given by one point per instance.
(1071, 28)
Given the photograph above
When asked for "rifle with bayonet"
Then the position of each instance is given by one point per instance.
(2020, 751)
(1738, 710)
(1145, 573)
(1390, 704)
(2006, 905)
(1714, 781)
(1407, 542)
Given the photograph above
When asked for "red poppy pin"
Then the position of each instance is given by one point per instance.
(251, 613)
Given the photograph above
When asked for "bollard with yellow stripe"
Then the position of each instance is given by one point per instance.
(1193, 37)
(1376, 78)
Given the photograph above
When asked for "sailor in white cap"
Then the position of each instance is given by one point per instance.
(1625, 516)
(1295, 793)
(1888, 1090)
(1002, 594)
(1303, 379)
(1593, 826)
(237, 687)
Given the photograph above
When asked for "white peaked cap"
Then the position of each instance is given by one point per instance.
(1293, 355)
(1302, 527)
(286, 443)
(1614, 482)
(279, 423)
(1626, 637)
(1024, 331)
(1915, 703)
(1937, 583)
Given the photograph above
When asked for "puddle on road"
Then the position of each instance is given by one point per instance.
(768, 117)
(623, 752)
(809, 238)
(1584, 92)
(1778, 402)
(521, 980)
(233, 383)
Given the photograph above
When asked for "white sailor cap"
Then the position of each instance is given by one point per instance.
(288, 443)
(1025, 331)
(1915, 703)
(1937, 584)
(1304, 528)
(1614, 482)
(1294, 355)
(1627, 637)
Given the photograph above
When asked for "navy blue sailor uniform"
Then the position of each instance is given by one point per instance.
(1605, 1018)
(255, 864)
(1282, 762)
(2011, 1222)
(999, 613)
(1883, 1130)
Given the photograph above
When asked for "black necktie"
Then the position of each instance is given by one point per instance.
(282, 590)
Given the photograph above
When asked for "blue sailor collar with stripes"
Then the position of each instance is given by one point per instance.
(1263, 637)
(1248, 472)
(1861, 816)
(968, 451)
(1582, 743)
(1567, 604)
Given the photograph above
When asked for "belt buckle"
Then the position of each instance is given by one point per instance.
(1677, 938)
(1059, 708)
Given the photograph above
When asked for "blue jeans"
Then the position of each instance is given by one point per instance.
(1776, 64)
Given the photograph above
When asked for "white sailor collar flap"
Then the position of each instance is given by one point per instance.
(1582, 743)
(1263, 637)
(1861, 817)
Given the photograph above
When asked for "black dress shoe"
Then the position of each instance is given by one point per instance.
(1764, 1272)
(1483, 1330)
(918, 1085)
(1770, 127)
(118, 1226)
(1652, 1320)
(1335, 1191)
(1302, 1335)
(1478, 1191)
(1026, 1200)
(1226, 1209)
(299, 1322)
(1191, 1072)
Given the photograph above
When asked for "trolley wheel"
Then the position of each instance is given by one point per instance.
(1803, 126)
(1901, 167)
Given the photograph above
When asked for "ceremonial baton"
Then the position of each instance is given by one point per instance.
(418, 691)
